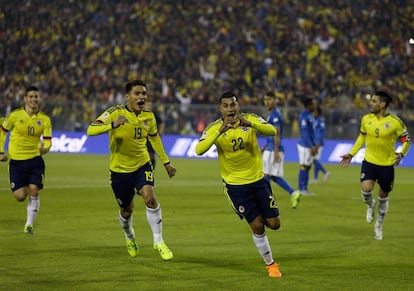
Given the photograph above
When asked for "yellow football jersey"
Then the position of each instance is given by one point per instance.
(127, 143)
(239, 155)
(25, 133)
(380, 136)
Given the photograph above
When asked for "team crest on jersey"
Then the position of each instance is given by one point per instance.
(145, 122)
(387, 125)
(105, 115)
(241, 209)
(244, 129)
(39, 122)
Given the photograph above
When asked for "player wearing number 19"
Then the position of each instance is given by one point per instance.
(30, 138)
(241, 169)
(129, 126)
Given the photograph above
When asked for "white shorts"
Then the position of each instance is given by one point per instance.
(305, 157)
(270, 167)
(318, 155)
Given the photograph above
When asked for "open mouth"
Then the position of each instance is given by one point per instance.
(141, 103)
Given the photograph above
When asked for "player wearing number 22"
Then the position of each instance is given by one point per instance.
(129, 125)
(379, 131)
(241, 169)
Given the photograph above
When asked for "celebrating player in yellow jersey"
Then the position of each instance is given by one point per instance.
(30, 138)
(131, 170)
(379, 131)
(241, 169)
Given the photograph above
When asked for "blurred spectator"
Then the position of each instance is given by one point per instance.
(77, 51)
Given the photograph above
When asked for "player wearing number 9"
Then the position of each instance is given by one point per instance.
(379, 131)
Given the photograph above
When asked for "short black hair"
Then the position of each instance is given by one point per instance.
(384, 97)
(227, 94)
(31, 88)
(133, 83)
(307, 101)
(271, 94)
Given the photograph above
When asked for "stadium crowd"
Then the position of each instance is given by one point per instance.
(81, 53)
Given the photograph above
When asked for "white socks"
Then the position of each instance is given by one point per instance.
(262, 245)
(33, 206)
(367, 197)
(126, 225)
(154, 217)
(382, 209)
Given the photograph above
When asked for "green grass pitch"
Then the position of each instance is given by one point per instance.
(325, 244)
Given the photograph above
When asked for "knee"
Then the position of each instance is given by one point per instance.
(274, 226)
(258, 229)
(21, 194)
(151, 202)
(20, 198)
(366, 188)
(32, 190)
(273, 223)
(127, 212)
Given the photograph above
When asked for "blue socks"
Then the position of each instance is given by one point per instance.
(284, 184)
(318, 167)
(303, 179)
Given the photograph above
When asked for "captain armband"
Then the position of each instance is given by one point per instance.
(405, 138)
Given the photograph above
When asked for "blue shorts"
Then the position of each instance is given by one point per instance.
(125, 185)
(384, 175)
(253, 200)
(25, 172)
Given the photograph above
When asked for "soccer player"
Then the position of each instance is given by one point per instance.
(30, 138)
(307, 148)
(274, 151)
(241, 169)
(379, 131)
(319, 139)
(128, 126)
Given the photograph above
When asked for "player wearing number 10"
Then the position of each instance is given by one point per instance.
(241, 169)
(30, 138)
(129, 126)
